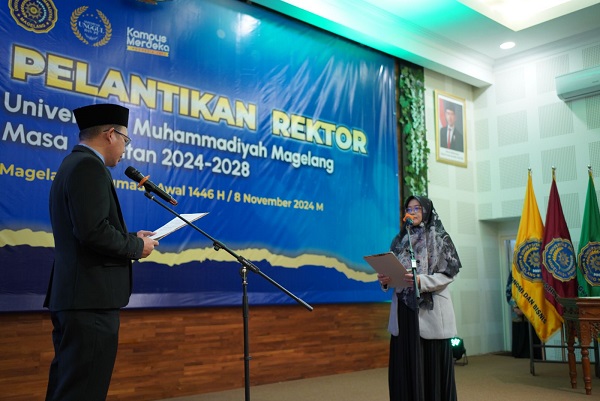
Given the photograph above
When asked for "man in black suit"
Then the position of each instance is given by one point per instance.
(91, 275)
(451, 137)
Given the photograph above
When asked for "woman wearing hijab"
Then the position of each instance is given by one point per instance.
(421, 366)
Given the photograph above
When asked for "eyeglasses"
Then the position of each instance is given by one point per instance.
(127, 139)
(412, 210)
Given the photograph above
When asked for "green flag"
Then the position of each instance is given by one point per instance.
(588, 273)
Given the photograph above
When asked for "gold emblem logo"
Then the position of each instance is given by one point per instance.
(37, 16)
(92, 28)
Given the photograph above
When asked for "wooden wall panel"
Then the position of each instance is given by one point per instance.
(166, 353)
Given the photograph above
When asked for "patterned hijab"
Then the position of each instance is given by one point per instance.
(433, 248)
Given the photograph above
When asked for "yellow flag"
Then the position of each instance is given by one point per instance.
(528, 286)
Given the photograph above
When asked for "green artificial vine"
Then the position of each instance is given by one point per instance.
(412, 130)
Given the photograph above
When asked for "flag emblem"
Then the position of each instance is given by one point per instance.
(527, 256)
(589, 260)
(559, 259)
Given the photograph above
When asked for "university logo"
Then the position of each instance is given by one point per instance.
(37, 16)
(527, 259)
(589, 261)
(91, 27)
(559, 259)
(147, 42)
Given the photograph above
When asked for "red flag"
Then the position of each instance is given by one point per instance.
(559, 266)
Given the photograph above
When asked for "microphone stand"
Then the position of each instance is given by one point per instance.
(246, 265)
(413, 264)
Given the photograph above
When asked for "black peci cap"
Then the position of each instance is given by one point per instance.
(101, 114)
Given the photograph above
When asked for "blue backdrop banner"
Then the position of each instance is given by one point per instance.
(283, 133)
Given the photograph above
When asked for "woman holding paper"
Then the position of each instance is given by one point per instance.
(421, 366)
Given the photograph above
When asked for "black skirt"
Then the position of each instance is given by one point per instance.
(419, 369)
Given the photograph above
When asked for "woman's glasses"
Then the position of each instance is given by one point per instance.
(412, 210)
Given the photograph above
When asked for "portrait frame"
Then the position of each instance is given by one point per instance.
(450, 148)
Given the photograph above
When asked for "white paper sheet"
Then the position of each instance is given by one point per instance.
(176, 224)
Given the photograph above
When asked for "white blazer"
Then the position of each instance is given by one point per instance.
(438, 323)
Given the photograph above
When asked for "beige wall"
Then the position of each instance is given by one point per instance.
(515, 124)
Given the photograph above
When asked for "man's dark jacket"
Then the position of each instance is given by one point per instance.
(93, 250)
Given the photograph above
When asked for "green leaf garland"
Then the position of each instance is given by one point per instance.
(415, 151)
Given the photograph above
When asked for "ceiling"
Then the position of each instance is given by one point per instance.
(457, 38)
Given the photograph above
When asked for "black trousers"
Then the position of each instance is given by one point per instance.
(520, 340)
(85, 349)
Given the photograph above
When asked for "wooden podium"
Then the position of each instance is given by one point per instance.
(582, 318)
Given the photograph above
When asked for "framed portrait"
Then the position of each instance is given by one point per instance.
(450, 129)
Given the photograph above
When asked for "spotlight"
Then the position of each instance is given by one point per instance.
(458, 349)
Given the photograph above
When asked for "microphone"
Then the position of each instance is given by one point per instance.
(408, 219)
(148, 185)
